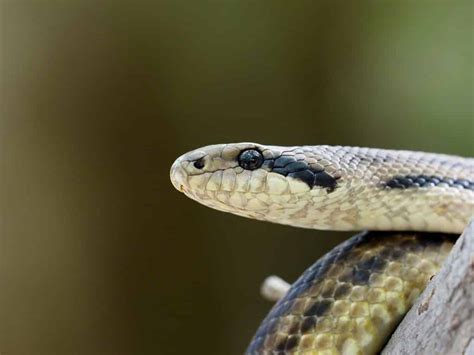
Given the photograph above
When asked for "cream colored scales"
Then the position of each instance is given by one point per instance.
(361, 200)
(336, 188)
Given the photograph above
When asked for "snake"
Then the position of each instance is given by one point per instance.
(408, 208)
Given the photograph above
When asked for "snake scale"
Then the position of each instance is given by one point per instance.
(413, 205)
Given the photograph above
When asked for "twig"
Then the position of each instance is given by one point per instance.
(274, 288)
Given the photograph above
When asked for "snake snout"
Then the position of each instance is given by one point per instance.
(178, 175)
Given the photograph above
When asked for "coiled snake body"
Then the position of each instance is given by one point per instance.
(414, 204)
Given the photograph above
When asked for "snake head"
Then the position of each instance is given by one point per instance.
(253, 180)
(331, 187)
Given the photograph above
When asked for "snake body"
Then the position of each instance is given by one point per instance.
(413, 203)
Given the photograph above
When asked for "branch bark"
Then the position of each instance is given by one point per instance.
(442, 320)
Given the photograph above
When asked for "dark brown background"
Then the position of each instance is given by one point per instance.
(99, 254)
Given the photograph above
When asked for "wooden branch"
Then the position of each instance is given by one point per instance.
(442, 320)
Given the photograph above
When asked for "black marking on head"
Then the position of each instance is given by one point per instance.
(296, 166)
(283, 161)
(268, 164)
(306, 176)
(281, 171)
(250, 159)
(325, 180)
(414, 181)
(300, 170)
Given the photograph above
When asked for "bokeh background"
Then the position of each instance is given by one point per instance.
(99, 254)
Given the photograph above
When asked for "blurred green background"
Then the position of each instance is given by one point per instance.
(99, 254)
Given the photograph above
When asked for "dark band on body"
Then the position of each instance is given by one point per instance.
(300, 170)
(413, 181)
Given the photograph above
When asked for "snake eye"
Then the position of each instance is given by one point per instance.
(250, 159)
(199, 164)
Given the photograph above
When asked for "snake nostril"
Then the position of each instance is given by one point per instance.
(199, 164)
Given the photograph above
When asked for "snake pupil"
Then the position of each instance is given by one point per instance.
(199, 164)
(250, 159)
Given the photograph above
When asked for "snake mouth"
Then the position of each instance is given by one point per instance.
(178, 176)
